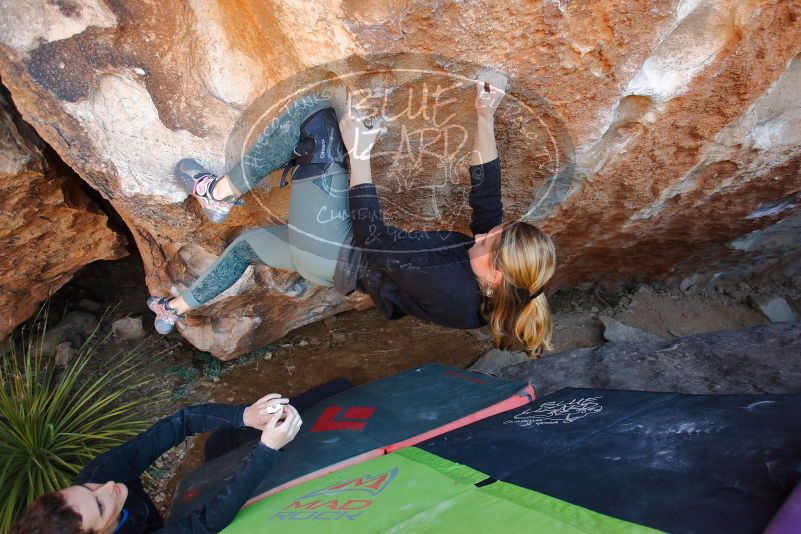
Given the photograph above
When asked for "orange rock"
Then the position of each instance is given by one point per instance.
(49, 228)
(646, 137)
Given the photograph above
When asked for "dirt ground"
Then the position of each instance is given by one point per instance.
(363, 346)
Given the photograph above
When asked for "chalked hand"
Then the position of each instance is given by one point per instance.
(274, 408)
(260, 412)
(281, 428)
(490, 90)
(358, 134)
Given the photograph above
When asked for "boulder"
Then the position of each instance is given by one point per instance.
(645, 137)
(49, 227)
(761, 359)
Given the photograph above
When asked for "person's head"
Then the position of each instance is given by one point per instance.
(85, 509)
(515, 260)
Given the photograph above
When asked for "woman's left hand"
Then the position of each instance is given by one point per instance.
(257, 415)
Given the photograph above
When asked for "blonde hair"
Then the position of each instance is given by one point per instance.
(526, 257)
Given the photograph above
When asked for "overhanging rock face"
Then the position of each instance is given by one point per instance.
(49, 227)
(646, 137)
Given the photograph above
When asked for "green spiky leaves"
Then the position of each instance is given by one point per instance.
(54, 421)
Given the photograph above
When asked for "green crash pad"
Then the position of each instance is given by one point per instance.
(412, 490)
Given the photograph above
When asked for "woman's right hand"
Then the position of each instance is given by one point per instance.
(358, 138)
(259, 413)
(490, 89)
(278, 432)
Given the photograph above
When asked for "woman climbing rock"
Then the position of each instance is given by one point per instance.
(496, 277)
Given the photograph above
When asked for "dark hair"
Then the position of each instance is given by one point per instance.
(49, 514)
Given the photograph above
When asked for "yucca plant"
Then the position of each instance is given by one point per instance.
(53, 421)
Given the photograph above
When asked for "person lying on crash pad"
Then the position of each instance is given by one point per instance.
(107, 495)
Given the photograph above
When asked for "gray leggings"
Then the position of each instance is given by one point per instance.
(319, 221)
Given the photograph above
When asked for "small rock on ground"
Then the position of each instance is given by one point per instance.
(616, 331)
(481, 334)
(690, 282)
(64, 353)
(496, 359)
(74, 327)
(128, 329)
(90, 305)
(773, 307)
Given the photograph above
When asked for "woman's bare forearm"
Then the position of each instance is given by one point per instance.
(360, 172)
(484, 149)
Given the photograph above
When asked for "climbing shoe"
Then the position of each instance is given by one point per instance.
(320, 148)
(200, 183)
(165, 315)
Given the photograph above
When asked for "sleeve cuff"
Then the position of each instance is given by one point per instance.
(240, 416)
(489, 171)
(493, 163)
(367, 185)
(363, 190)
(262, 452)
(363, 203)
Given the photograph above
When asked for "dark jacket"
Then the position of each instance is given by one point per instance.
(127, 462)
(421, 273)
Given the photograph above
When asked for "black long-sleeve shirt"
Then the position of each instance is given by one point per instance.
(127, 462)
(420, 273)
